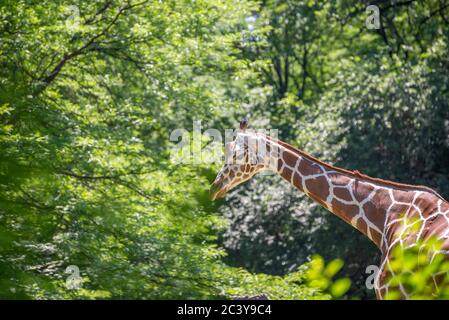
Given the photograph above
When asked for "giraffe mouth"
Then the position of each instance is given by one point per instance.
(216, 191)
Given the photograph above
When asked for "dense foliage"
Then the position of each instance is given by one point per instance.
(90, 92)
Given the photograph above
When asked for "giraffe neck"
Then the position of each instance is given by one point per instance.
(386, 212)
(347, 196)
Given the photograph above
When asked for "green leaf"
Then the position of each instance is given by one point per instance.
(340, 287)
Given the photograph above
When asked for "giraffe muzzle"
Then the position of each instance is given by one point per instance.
(216, 191)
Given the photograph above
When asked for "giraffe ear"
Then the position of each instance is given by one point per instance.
(243, 124)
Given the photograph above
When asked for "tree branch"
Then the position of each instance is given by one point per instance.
(87, 46)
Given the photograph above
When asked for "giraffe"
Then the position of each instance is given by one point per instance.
(384, 211)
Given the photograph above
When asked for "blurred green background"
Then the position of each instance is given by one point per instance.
(90, 92)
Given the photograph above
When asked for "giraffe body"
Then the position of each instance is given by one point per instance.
(382, 210)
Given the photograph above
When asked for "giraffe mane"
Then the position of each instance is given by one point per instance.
(355, 173)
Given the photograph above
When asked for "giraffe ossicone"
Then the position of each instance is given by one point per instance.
(384, 211)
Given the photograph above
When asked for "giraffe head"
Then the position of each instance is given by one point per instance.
(247, 155)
